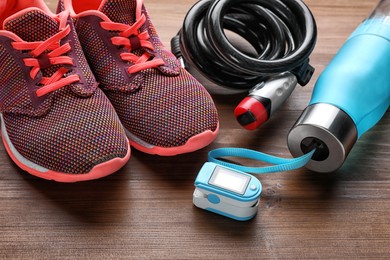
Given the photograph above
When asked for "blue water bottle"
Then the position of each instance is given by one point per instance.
(351, 95)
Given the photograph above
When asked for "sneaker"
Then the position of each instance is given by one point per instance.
(164, 110)
(55, 123)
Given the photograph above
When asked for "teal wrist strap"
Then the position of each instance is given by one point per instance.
(279, 164)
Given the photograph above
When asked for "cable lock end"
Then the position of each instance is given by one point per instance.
(252, 112)
(303, 73)
(264, 99)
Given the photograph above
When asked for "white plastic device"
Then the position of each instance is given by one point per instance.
(227, 192)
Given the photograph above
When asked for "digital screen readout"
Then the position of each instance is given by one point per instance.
(229, 180)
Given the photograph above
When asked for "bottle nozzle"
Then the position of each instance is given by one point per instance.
(328, 129)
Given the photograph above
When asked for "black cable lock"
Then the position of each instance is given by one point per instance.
(283, 34)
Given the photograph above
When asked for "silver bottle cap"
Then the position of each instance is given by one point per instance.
(329, 129)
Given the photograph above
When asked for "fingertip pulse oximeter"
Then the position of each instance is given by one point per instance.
(227, 192)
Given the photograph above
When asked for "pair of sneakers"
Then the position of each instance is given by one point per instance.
(58, 123)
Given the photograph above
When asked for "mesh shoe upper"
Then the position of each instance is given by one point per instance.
(160, 106)
(70, 130)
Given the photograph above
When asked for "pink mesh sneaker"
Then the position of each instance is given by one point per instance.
(164, 110)
(55, 123)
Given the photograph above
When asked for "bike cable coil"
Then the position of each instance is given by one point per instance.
(283, 33)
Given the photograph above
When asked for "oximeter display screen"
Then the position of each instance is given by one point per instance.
(229, 180)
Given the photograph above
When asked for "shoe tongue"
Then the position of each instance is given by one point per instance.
(32, 25)
(119, 11)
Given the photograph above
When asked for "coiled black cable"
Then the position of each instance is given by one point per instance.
(282, 32)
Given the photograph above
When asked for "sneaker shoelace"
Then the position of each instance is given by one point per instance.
(49, 53)
(132, 38)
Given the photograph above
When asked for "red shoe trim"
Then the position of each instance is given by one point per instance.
(99, 171)
(194, 143)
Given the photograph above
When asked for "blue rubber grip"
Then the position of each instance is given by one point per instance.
(357, 80)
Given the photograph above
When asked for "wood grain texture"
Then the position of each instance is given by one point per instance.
(145, 210)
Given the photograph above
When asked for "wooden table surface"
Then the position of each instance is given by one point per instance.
(145, 210)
